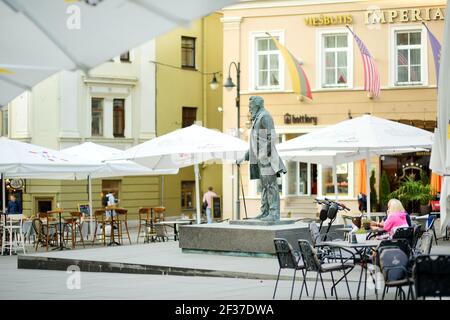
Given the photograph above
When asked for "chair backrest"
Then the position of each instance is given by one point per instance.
(405, 233)
(417, 234)
(401, 244)
(432, 276)
(393, 264)
(159, 213)
(76, 215)
(309, 256)
(426, 241)
(316, 238)
(285, 254)
(99, 215)
(37, 226)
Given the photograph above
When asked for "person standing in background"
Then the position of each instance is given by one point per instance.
(14, 206)
(207, 198)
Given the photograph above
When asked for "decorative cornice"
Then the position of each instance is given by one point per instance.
(111, 80)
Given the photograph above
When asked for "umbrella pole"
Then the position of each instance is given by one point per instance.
(368, 182)
(335, 179)
(91, 227)
(197, 192)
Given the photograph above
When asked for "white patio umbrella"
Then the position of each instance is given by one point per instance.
(440, 154)
(25, 160)
(363, 136)
(186, 147)
(97, 152)
(39, 38)
(330, 158)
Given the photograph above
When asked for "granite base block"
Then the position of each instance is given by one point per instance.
(238, 238)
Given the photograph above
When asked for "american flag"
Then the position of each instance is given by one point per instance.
(371, 74)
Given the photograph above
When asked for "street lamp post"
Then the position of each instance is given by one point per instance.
(229, 85)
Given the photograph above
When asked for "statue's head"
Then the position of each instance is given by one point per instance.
(255, 104)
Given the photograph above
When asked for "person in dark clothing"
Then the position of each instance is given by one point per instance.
(14, 206)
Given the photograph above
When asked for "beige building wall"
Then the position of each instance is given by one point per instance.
(332, 105)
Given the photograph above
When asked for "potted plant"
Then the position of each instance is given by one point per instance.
(413, 193)
(385, 190)
(361, 235)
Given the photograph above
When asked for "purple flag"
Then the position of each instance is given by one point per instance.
(436, 47)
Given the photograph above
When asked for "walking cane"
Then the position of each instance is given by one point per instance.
(242, 188)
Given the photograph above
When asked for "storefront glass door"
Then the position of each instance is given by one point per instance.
(297, 178)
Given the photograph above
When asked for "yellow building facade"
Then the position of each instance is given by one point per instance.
(184, 96)
(123, 102)
(315, 32)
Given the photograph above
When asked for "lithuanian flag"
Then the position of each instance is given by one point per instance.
(300, 83)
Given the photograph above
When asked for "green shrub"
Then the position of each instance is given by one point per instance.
(385, 190)
(373, 192)
(411, 192)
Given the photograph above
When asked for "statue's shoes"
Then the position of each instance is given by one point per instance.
(268, 218)
(260, 216)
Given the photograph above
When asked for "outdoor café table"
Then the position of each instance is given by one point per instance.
(61, 230)
(362, 249)
(174, 224)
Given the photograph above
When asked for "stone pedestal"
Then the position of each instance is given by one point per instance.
(240, 239)
(257, 222)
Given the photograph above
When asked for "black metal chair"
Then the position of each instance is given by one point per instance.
(394, 266)
(406, 233)
(432, 276)
(430, 225)
(313, 263)
(288, 258)
(426, 242)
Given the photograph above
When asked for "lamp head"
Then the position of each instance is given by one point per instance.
(229, 84)
(214, 84)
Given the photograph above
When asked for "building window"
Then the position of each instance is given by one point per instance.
(268, 75)
(335, 60)
(119, 118)
(125, 57)
(187, 195)
(408, 57)
(189, 116)
(97, 117)
(4, 122)
(344, 173)
(188, 52)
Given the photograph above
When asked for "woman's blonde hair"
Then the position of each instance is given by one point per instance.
(394, 205)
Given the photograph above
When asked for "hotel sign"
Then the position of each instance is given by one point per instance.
(293, 119)
(324, 20)
(403, 15)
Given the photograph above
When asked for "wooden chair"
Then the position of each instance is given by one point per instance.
(158, 214)
(72, 224)
(46, 231)
(100, 220)
(144, 221)
(122, 220)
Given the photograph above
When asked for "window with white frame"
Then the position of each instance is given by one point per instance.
(97, 117)
(336, 60)
(267, 64)
(4, 122)
(408, 57)
(344, 175)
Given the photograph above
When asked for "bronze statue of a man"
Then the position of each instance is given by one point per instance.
(265, 163)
